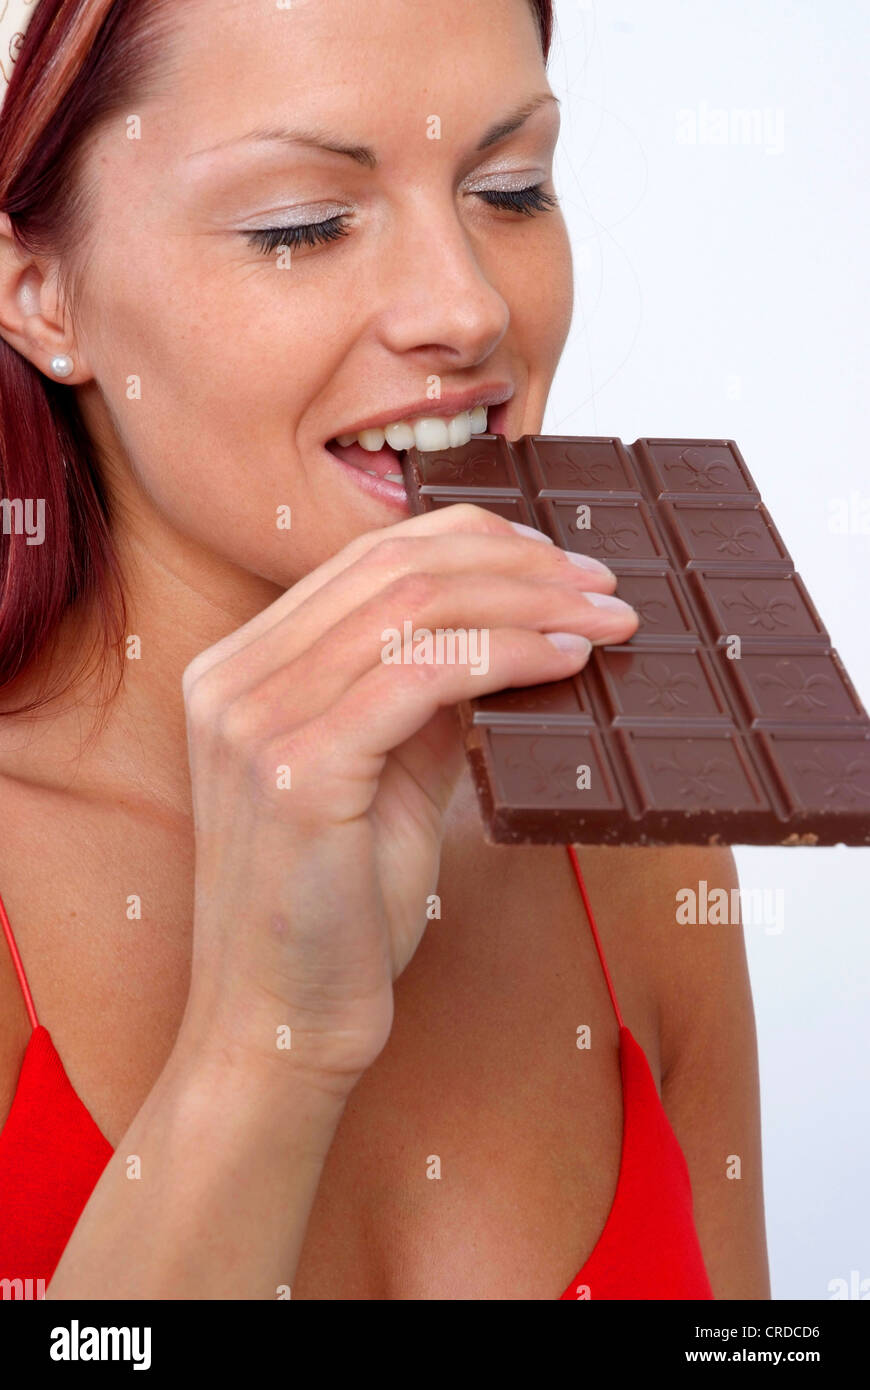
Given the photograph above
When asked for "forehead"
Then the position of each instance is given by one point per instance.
(378, 58)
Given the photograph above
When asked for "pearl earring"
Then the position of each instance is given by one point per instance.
(62, 365)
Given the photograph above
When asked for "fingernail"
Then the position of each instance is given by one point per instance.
(570, 642)
(608, 601)
(586, 562)
(530, 531)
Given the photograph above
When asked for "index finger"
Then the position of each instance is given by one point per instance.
(461, 517)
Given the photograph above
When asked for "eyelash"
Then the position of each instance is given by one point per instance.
(529, 200)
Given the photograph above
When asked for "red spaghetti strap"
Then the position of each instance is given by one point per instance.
(572, 854)
(19, 968)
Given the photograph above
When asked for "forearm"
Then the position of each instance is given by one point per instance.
(229, 1161)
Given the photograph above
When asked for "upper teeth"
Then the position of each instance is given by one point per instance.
(429, 433)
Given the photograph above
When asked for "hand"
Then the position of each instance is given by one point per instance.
(311, 889)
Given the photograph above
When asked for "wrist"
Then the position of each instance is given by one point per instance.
(269, 1096)
(271, 1044)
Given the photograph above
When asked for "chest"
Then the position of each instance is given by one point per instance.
(477, 1158)
(469, 1168)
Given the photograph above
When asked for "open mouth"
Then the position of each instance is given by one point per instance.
(383, 463)
(383, 459)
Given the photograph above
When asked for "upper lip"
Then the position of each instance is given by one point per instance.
(448, 405)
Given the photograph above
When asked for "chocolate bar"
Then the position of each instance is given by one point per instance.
(726, 719)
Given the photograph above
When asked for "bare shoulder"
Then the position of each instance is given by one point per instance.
(631, 891)
(697, 973)
(708, 1047)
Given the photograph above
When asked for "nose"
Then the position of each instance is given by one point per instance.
(435, 294)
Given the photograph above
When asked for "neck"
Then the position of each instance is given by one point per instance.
(129, 745)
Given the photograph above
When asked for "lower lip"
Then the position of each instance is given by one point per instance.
(394, 493)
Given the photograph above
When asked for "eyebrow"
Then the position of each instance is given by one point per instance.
(362, 154)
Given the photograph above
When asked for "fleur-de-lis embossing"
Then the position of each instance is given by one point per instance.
(839, 770)
(586, 473)
(610, 541)
(798, 685)
(762, 613)
(733, 540)
(474, 468)
(662, 683)
(702, 471)
(553, 774)
(696, 776)
(642, 608)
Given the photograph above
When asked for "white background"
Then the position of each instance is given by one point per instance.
(721, 292)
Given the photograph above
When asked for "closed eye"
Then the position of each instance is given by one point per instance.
(529, 201)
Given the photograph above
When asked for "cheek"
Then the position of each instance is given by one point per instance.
(203, 398)
(180, 395)
(547, 295)
(184, 372)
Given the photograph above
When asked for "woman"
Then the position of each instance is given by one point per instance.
(303, 1074)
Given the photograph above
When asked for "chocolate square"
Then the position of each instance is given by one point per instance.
(727, 719)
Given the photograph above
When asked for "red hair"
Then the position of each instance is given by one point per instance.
(81, 61)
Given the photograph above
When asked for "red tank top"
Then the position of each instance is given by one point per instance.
(52, 1155)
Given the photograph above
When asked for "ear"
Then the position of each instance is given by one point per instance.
(32, 318)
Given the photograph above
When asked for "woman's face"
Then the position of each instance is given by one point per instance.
(222, 366)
